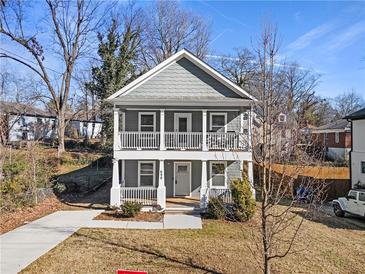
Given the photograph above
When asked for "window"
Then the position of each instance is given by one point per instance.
(218, 122)
(352, 195)
(282, 118)
(218, 174)
(362, 167)
(337, 137)
(147, 121)
(362, 196)
(146, 173)
(325, 138)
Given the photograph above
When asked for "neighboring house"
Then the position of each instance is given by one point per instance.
(20, 122)
(357, 154)
(185, 132)
(335, 139)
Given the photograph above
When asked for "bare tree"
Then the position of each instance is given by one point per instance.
(239, 67)
(169, 28)
(278, 158)
(299, 85)
(72, 22)
(347, 103)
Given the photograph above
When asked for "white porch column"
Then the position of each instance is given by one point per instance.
(204, 129)
(204, 190)
(242, 123)
(250, 177)
(123, 173)
(161, 189)
(162, 129)
(115, 190)
(116, 142)
(250, 117)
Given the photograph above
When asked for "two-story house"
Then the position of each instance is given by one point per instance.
(357, 153)
(180, 130)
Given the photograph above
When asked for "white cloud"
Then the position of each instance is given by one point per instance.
(348, 36)
(306, 39)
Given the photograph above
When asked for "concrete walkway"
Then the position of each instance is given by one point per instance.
(25, 244)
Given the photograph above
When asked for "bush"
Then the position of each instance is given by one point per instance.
(131, 209)
(216, 209)
(244, 204)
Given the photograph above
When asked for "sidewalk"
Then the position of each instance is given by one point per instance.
(25, 244)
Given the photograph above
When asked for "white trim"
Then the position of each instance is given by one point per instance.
(183, 109)
(211, 177)
(182, 115)
(174, 58)
(182, 155)
(154, 173)
(221, 114)
(199, 103)
(317, 131)
(173, 183)
(147, 113)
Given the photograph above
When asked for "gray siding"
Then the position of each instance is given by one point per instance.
(131, 119)
(181, 80)
(233, 120)
(131, 173)
(233, 171)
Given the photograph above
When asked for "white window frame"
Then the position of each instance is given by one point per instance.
(217, 114)
(282, 118)
(146, 113)
(337, 137)
(211, 174)
(153, 173)
(178, 115)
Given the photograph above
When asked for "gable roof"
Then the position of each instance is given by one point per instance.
(184, 62)
(339, 125)
(360, 114)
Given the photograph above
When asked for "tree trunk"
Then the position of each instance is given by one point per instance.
(61, 134)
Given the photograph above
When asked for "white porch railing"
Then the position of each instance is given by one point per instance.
(183, 140)
(223, 193)
(143, 195)
(139, 139)
(226, 141)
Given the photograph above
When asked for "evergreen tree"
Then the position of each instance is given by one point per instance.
(118, 53)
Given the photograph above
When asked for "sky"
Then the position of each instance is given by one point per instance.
(326, 37)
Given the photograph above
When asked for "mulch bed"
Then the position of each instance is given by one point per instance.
(141, 217)
(10, 220)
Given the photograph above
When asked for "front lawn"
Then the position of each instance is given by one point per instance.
(332, 246)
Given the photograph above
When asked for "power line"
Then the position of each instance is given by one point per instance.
(34, 63)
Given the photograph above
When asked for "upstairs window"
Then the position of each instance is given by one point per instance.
(282, 118)
(147, 121)
(218, 174)
(362, 167)
(218, 122)
(146, 173)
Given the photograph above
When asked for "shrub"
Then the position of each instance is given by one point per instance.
(244, 204)
(216, 209)
(131, 209)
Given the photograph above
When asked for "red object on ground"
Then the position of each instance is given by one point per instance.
(131, 272)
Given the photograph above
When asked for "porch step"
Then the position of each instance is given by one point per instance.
(182, 209)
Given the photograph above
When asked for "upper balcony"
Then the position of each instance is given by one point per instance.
(229, 141)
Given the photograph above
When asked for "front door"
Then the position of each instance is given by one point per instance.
(182, 122)
(182, 179)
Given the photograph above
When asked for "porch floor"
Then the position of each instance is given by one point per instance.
(183, 203)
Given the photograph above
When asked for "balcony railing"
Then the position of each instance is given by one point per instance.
(139, 140)
(184, 140)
